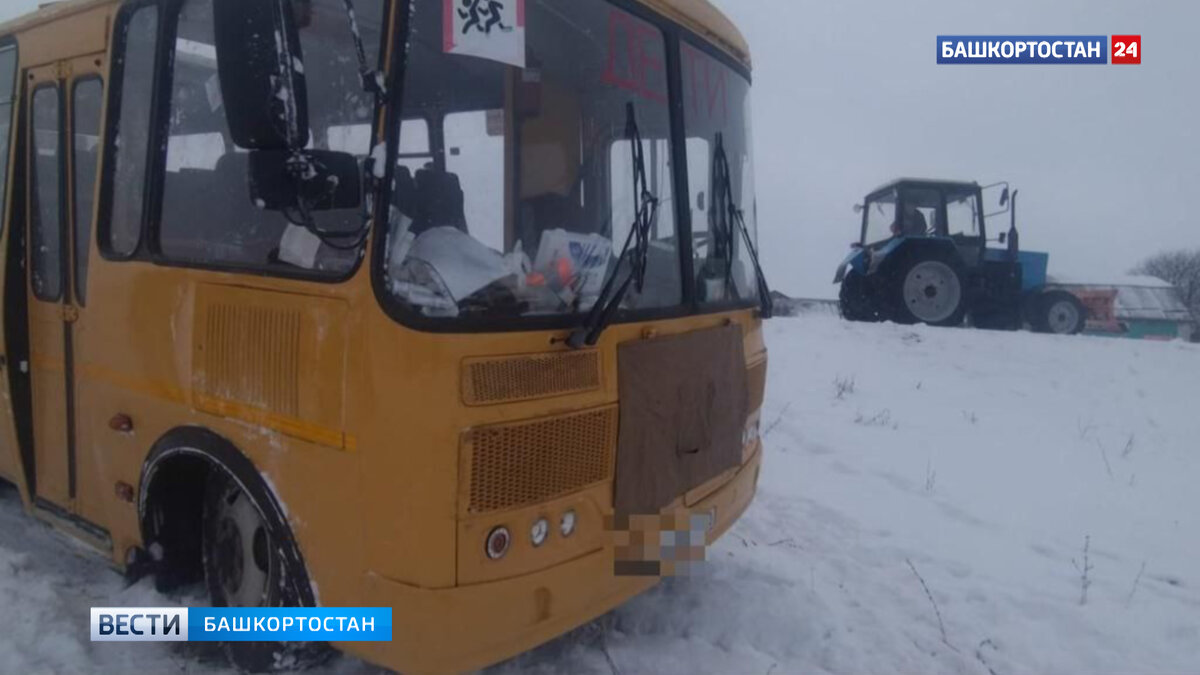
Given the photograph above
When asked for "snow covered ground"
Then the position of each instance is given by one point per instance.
(925, 507)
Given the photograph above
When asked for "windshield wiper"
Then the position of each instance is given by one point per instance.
(636, 249)
(372, 80)
(730, 217)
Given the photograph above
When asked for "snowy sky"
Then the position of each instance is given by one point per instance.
(13, 8)
(848, 96)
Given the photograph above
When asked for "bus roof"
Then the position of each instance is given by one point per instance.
(702, 17)
(48, 11)
(698, 15)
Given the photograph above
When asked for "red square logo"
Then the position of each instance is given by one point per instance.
(1127, 49)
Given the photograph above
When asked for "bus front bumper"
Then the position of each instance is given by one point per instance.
(469, 627)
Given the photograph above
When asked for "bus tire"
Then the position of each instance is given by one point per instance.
(245, 567)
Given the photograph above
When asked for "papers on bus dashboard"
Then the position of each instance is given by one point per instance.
(299, 247)
(464, 265)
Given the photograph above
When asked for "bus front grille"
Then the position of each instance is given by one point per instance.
(522, 378)
(516, 465)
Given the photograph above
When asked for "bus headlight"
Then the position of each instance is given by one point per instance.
(537, 534)
(567, 526)
(498, 542)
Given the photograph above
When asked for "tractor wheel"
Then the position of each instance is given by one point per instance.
(855, 300)
(928, 289)
(1059, 313)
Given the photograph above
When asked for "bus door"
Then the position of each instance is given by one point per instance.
(84, 97)
(53, 294)
(10, 457)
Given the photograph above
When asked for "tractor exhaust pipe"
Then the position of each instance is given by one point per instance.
(1014, 237)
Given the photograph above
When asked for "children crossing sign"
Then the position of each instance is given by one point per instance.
(487, 29)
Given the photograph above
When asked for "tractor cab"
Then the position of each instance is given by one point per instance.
(925, 208)
(923, 257)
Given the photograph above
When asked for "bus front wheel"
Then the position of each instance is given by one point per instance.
(244, 567)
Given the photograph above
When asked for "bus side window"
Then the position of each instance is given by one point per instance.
(203, 158)
(415, 149)
(130, 142)
(86, 101)
(46, 216)
(8, 66)
(477, 157)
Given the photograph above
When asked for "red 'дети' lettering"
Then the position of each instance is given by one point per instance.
(705, 86)
(641, 70)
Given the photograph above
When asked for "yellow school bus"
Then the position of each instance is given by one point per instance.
(408, 303)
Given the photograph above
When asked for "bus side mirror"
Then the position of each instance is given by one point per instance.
(321, 180)
(1003, 237)
(261, 69)
(1004, 198)
(700, 201)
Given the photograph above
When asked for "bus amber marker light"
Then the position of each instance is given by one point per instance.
(498, 542)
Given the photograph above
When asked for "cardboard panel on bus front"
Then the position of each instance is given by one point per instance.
(684, 403)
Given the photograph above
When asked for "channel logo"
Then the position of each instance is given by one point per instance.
(1038, 49)
(237, 624)
(139, 624)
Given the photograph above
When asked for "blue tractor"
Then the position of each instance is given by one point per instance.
(923, 257)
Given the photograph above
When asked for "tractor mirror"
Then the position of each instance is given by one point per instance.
(261, 68)
(1004, 198)
(1003, 237)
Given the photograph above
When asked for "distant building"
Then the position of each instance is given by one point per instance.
(1142, 308)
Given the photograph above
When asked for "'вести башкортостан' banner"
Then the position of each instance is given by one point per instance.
(241, 624)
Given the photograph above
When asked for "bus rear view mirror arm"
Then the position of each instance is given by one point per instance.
(309, 180)
(261, 68)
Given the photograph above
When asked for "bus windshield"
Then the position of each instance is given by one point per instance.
(716, 104)
(515, 190)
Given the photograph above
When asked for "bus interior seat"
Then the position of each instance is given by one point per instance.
(203, 203)
(232, 178)
(439, 202)
(547, 212)
(240, 219)
(406, 191)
